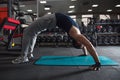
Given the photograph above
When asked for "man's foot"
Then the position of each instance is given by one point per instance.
(30, 56)
(20, 59)
(96, 66)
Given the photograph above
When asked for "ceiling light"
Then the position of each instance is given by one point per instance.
(109, 10)
(73, 0)
(89, 10)
(49, 13)
(117, 5)
(94, 5)
(22, 5)
(43, 2)
(70, 11)
(29, 10)
(46, 8)
(72, 6)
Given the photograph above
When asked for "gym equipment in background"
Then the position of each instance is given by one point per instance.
(10, 24)
(108, 32)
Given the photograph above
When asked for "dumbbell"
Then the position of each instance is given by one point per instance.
(43, 39)
(48, 38)
(59, 38)
(112, 40)
(106, 40)
(65, 38)
(53, 39)
(69, 39)
(116, 40)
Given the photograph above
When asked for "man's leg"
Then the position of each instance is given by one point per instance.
(31, 46)
(28, 43)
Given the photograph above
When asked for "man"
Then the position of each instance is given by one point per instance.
(48, 22)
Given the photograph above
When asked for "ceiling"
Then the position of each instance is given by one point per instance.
(81, 6)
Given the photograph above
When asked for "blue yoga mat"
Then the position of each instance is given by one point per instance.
(73, 61)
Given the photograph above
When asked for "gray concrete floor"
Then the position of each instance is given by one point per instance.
(29, 71)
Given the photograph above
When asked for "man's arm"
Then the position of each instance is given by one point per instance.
(75, 33)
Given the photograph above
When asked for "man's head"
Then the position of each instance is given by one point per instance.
(76, 44)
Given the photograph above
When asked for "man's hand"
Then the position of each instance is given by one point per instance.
(95, 67)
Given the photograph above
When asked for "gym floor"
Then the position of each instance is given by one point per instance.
(29, 71)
